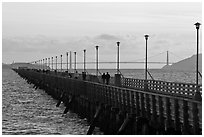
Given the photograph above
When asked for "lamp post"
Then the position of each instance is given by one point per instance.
(197, 94)
(43, 63)
(70, 61)
(84, 60)
(75, 62)
(56, 63)
(49, 63)
(97, 60)
(39, 64)
(52, 63)
(118, 43)
(67, 62)
(146, 38)
(61, 62)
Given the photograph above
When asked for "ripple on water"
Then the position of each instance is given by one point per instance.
(26, 111)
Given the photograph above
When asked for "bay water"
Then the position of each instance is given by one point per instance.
(29, 111)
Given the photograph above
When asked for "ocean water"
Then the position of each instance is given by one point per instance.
(33, 112)
(157, 74)
(26, 111)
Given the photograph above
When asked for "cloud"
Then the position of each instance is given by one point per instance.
(107, 37)
(132, 46)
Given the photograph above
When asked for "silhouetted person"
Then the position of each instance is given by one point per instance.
(84, 75)
(104, 78)
(107, 78)
(76, 75)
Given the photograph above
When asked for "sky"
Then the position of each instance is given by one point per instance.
(37, 30)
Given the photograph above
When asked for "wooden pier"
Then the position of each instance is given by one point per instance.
(125, 107)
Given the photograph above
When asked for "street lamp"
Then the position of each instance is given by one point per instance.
(75, 62)
(84, 60)
(146, 38)
(118, 43)
(43, 64)
(38, 63)
(61, 63)
(67, 62)
(97, 60)
(49, 63)
(56, 63)
(197, 94)
(41, 67)
(52, 63)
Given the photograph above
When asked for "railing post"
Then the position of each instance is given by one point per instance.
(120, 98)
(142, 104)
(161, 113)
(195, 119)
(154, 110)
(114, 97)
(137, 104)
(147, 102)
(133, 107)
(118, 80)
(185, 117)
(176, 115)
(128, 100)
(168, 112)
(124, 100)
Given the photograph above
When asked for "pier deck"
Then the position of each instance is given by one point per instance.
(163, 108)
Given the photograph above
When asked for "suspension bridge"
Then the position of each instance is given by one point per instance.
(50, 62)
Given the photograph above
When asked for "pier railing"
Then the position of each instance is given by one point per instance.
(186, 90)
(163, 111)
(172, 88)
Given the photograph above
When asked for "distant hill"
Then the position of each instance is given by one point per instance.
(6, 66)
(188, 64)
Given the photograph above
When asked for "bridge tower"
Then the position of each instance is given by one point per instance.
(167, 58)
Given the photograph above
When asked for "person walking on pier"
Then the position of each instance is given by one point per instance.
(76, 75)
(107, 78)
(104, 78)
